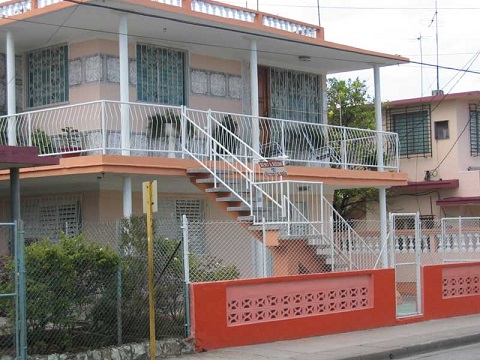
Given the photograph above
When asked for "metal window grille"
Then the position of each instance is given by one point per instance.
(295, 95)
(160, 75)
(47, 216)
(413, 128)
(194, 209)
(47, 76)
(474, 130)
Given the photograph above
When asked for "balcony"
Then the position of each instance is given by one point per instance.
(138, 129)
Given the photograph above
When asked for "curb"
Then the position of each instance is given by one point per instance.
(404, 351)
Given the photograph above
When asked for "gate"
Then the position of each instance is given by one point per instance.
(12, 283)
(405, 253)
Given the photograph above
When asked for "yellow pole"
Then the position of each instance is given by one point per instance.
(150, 270)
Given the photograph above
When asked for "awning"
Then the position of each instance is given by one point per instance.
(457, 201)
(415, 186)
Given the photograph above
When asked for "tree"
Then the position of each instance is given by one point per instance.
(349, 99)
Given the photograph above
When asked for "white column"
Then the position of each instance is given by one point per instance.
(124, 85)
(254, 95)
(382, 194)
(11, 97)
(127, 196)
(378, 117)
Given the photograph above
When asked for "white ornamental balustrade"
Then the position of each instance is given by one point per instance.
(223, 11)
(170, 2)
(290, 26)
(12, 9)
(45, 3)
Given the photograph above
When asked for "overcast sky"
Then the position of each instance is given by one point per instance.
(395, 27)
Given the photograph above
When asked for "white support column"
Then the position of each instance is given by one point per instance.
(382, 193)
(127, 196)
(378, 117)
(254, 95)
(124, 85)
(11, 96)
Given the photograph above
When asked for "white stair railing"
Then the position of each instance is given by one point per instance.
(350, 244)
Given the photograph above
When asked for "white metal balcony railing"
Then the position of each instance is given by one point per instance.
(161, 131)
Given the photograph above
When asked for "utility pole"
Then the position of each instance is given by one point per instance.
(421, 65)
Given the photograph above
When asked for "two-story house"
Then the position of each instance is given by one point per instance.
(191, 93)
(439, 149)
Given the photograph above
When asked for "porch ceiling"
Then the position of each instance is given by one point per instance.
(198, 33)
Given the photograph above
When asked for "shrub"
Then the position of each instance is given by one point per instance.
(168, 286)
(64, 283)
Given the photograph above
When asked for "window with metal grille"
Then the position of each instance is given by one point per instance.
(160, 75)
(50, 216)
(474, 130)
(295, 95)
(413, 128)
(47, 76)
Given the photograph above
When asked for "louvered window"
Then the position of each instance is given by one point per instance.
(160, 75)
(474, 130)
(50, 216)
(413, 128)
(47, 76)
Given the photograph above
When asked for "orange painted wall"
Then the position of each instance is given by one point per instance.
(209, 313)
(435, 306)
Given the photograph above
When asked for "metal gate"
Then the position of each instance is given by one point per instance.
(12, 284)
(405, 253)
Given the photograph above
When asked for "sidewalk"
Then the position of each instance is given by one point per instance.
(376, 344)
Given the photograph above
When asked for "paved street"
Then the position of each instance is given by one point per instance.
(469, 352)
(377, 344)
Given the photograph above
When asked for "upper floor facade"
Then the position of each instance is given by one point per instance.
(439, 150)
(265, 72)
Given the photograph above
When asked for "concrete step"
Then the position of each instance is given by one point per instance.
(259, 227)
(246, 218)
(231, 198)
(240, 208)
(205, 171)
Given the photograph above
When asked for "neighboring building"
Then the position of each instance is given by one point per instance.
(122, 91)
(439, 149)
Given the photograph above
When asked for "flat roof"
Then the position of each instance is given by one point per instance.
(433, 98)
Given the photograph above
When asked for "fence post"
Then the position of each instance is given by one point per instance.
(119, 286)
(186, 272)
(104, 129)
(22, 291)
(264, 247)
(332, 244)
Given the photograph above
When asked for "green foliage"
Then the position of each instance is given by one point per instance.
(357, 111)
(168, 280)
(351, 98)
(42, 141)
(65, 282)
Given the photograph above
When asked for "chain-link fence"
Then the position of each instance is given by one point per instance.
(89, 289)
(7, 291)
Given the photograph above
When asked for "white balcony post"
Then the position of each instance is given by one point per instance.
(254, 95)
(11, 97)
(382, 193)
(127, 196)
(378, 117)
(124, 85)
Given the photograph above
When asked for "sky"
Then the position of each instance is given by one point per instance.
(402, 27)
